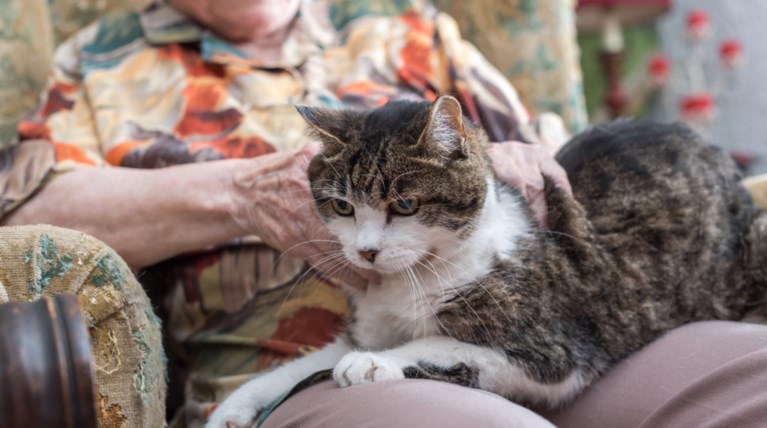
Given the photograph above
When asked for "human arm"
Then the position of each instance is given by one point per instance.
(145, 215)
(150, 215)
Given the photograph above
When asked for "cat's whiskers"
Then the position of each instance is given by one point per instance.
(341, 260)
(418, 296)
(556, 232)
(416, 303)
(440, 281)
(332, 257)
(302, 276)
(473, 282)
(307, 242)
(394, 180)
(329, 163)
(411, 290)
(329, 187)
(426, 298)
(433, 269)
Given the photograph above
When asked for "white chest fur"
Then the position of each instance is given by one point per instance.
(404, 306)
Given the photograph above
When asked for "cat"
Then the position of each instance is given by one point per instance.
(657, 233)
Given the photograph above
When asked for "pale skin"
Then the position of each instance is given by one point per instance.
(200, 205)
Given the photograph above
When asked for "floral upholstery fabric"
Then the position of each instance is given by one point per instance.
(533, 43)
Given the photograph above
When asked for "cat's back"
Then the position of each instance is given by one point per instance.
(653, 176)
(665, 202)
(610, 163)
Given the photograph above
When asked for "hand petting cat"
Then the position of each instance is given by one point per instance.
(282, 214)
(523, 166)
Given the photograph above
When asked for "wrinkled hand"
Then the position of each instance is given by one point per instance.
(522, 166)
(276, 204)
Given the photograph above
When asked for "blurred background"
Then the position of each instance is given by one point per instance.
(699, 61)
(588, 61)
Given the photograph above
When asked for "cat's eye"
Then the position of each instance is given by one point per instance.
(342, 207)
(404, 206)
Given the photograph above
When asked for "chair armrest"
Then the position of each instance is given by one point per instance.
(757, 187)
(45, 365)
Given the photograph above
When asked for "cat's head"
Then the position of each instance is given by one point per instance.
(400, 183)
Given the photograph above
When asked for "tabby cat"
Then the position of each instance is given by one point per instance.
(657, 233)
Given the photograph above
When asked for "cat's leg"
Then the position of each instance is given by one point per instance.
(242, 407)
(446, 359)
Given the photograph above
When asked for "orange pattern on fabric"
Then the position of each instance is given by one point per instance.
(308, 326)
(116, 154)
(416, 54)
(469, 106)
(368, 89)
(29, 130)
(65, 152)
(198, 118)
(191, 60)
(235, 147)
(57, 99)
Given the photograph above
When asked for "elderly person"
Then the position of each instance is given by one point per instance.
(171, 136)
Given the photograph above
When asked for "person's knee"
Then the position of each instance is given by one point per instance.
(408, 403)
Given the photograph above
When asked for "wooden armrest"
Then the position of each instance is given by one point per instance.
(45, 365)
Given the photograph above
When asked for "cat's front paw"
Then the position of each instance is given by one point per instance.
(365, 367)
(226, 418)
(234, 412)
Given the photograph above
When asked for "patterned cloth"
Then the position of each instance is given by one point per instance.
(152, 89)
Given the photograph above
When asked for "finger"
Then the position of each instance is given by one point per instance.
(539, 209)
(508, 171)
(554, 170)
(311, 149)
(321, 257)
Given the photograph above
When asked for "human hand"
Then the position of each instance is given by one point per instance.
(275, 202)
(522, 166)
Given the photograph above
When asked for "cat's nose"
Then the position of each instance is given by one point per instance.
(369, 255)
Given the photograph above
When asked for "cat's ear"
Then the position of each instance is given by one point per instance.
(445, 132)
(327, 123)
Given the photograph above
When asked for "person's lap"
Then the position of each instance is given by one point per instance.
(702, 374)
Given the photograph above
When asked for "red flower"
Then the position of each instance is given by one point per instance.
(697, 108)
(698, 24)
(659, 69)
(731, 53)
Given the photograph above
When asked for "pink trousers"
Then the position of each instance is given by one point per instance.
(706, 374)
